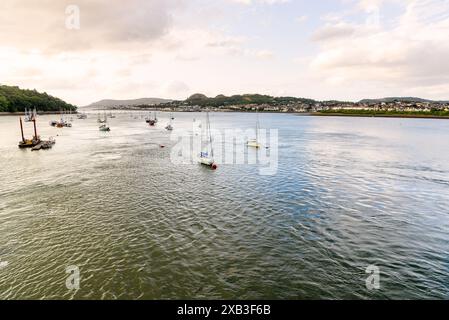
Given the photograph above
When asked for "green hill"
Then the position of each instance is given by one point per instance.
(258, 99)
(396, 99)
(14, 99)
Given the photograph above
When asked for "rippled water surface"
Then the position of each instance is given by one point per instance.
(348, 193)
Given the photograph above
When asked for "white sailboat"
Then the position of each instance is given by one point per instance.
(62, 123)
(207, 157)
(169, 127)
(99, 120)
(105, 127)
(82, 116)
(254, 143)
(28, 116)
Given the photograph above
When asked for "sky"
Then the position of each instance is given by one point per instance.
(87, 50)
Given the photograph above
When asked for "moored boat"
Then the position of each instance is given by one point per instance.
(206, 158)
(105, 127)
(254, 143)
(35, 143)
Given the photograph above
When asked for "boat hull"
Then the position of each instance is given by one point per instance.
(208, 163)
(253, 144)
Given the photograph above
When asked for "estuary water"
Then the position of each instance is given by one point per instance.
(348, 193)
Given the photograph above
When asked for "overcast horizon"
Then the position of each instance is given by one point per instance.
(332, 50)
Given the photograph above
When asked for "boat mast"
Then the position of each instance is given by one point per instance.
(257, 125)
(35, 130)
(210, 136)
(21, 130)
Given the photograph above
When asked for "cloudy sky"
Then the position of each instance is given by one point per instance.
(327, 49)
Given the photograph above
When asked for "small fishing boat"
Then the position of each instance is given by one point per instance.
(44, 145)
(207, 157)
(61, 123)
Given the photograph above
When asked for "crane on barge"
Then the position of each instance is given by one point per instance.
(35, 143)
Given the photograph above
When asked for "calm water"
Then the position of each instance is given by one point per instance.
(349, 193)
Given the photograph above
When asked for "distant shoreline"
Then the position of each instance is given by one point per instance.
(11, 114)
(404, 116)
(311, 114)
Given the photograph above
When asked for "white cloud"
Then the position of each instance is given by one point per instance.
(104, 23)
(172, 48)
(411, 54)
(302, 19)
(248, 2)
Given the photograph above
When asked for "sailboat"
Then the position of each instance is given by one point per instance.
(61, 123)
(207, 157)
(104, 127)
(28, 115)
(169, 127)
(99, 120)
(82, 116)
(152, 122)
(254, 143)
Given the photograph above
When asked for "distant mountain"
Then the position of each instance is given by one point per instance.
(109, 103)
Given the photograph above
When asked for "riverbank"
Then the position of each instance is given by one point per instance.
(11, 114)
(313, 114)
(361, 115)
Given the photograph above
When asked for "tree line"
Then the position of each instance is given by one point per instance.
(258, 99)
(14, 99)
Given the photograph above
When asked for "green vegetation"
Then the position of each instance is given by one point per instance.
(223, 101)
(14, 99)
(374, 113)
(399, 99)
